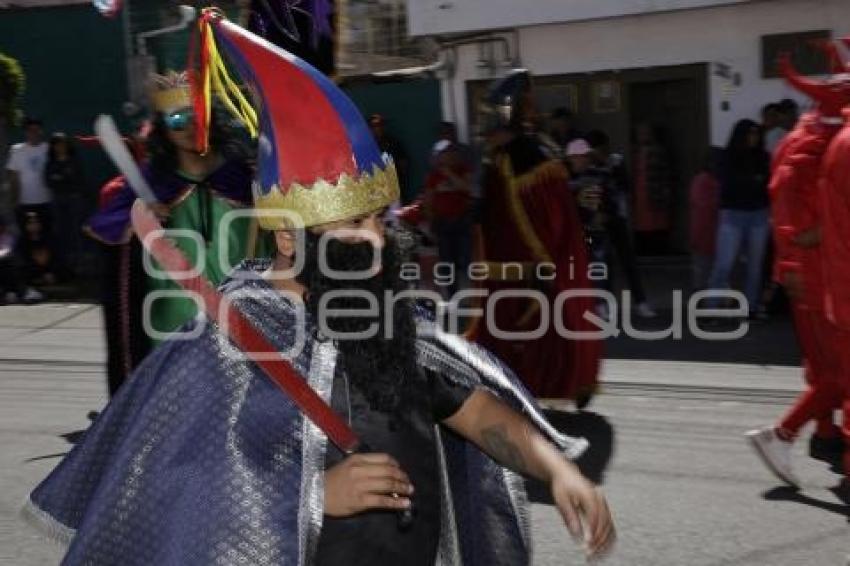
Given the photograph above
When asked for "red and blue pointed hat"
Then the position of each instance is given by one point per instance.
(317, 160)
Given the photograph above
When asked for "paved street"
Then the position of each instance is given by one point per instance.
(685, 488)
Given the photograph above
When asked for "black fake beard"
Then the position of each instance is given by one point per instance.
(378, 365)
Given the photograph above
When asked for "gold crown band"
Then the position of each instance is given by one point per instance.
(171, 99)
(322, 202)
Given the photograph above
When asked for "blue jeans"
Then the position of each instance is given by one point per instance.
(736, 229)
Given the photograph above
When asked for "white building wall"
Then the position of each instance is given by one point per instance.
(39, 3)
(728, 35)
(431, 17)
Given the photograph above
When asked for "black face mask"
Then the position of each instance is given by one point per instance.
(377, 365)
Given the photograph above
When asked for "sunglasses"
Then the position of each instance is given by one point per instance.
(179, 120)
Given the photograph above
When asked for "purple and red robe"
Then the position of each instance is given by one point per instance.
(529, 217)
(195, 205)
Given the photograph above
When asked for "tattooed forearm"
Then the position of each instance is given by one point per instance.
(498, 444)
(507, 436)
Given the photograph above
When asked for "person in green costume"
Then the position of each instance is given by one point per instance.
(197, 192)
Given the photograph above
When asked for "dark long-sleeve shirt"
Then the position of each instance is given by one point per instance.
(744, 179)
(64, 178)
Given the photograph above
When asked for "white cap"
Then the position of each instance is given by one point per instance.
(578, 147)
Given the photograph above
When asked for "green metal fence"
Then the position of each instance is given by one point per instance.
(74, 63)
(412, 112)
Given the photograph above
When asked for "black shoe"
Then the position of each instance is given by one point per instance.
(842, 490)
(757, 316)
(828, 449)
(583, 400)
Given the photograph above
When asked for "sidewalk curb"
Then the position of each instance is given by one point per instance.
(702, 374)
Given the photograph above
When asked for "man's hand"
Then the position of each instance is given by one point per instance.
(364, 482)
(513, 441)
(160, 210)
(584, 510)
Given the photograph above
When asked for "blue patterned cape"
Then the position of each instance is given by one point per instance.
(201, 460)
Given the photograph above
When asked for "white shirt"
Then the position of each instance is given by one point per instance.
(29, 161)
(773, 138)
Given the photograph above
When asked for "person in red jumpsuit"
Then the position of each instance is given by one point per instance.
(835, 230)
(803, 268)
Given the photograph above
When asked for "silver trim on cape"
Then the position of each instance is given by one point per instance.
(515, 485)
(448, 550)
(313, 447)
(45, 524)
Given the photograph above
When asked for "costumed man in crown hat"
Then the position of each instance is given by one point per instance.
(201, 459)
(529, 217)
(195, 189)
(798, 217)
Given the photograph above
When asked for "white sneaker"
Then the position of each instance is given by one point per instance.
(643, 310)
(32, 296)
(774, 452)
